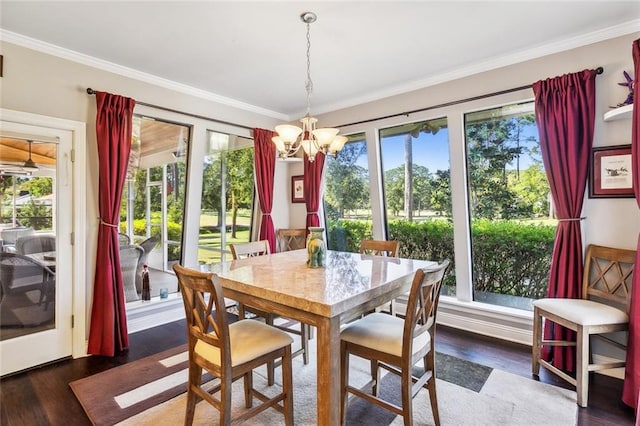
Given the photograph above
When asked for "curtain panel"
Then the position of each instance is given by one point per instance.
(631, 390)
(108, 330)
(313, 187)
(565, 114)
(265, 166)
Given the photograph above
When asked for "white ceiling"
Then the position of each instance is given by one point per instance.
(252, 54)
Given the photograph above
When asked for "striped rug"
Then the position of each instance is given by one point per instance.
(151, 391)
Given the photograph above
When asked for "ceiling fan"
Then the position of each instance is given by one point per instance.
(25, 169)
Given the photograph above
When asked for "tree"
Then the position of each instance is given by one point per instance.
(441, 193)
(492, 145)
(395, 188)
(532, 191)
(212, 185)
(347, 184)
(239, 182)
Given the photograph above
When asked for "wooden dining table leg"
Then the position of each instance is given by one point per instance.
(328, 374)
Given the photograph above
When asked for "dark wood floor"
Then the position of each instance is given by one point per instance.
(43, 397)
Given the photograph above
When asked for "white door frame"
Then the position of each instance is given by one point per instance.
(79, 212)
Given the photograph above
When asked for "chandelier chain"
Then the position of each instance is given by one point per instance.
(312, 140)
(309, 83)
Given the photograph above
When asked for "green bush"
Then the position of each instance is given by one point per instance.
(174, 231)
(510, 257)
(345, 235)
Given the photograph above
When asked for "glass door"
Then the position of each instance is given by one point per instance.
(35, 281)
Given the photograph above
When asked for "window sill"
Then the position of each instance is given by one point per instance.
(143, 315)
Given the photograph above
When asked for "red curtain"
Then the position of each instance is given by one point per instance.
(265, 167)
(313, 187)
(631, 390)
(565, 114)
(108, 332)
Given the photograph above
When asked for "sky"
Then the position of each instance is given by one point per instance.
(432, 151)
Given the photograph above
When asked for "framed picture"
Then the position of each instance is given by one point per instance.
(297, 189)
(611, 174)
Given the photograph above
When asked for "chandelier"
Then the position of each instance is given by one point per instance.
(291, 138)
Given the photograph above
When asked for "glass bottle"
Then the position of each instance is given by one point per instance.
(146, 287)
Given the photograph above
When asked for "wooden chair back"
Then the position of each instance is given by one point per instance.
(608, 274)
(422, 307)
(292, 239)
(250, 249)
(380, 248)
(203, 300)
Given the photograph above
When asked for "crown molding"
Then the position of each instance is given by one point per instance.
(103, 65)
(488, 65)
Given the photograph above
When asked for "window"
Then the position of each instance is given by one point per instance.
(512, 225)
(227, 196)
(417, 190)
(347, 199)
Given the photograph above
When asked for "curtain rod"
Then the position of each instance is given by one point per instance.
(598, 70)
(90, 91)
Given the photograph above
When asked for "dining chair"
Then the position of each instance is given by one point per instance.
(260, 248)
(291, 239)
(603, 308)
(397, 345)
(229, 351)
(388, 249)
(380, 247)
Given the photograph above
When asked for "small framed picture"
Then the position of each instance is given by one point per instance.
(611, 172)
(297, 189)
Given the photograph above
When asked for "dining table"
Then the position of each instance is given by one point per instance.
(349, 285)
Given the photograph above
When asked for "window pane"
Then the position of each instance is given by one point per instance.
(417, 191)
(228, 164)
(347, 200)
(512, 226)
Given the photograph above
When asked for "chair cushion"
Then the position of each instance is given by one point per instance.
(381, 332)
(249, 339)
(583, 312)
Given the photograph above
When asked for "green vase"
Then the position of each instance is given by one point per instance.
(316, 248)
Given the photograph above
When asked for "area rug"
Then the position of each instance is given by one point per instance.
(151, 391)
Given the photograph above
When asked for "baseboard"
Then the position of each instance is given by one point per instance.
(494, 321)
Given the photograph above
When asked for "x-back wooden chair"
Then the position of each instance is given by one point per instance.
(260, 248)
(396, 345)
(604, 308)
(388, 249)
(291, 239)
(229, 351)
